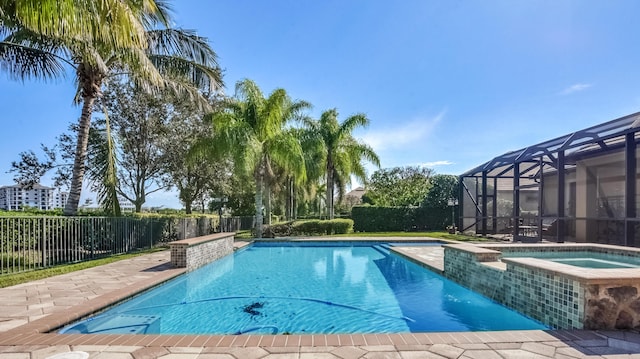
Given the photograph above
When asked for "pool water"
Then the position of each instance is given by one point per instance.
(593, 263)
(584, 259)
(307, 288)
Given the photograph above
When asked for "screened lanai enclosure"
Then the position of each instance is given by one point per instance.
(581, 187)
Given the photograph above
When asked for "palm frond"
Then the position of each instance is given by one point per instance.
(21, 62)
(205, 78)
(111, 22)
(154, 13)
(363, 151)
(236, 137)
(182, 43)
(353, 122)
(140, 69)
(285, 151)
(108, 194)
(273, 114)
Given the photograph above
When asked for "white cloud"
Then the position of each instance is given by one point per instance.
(436, 164)
(403, 134)
(575, 88)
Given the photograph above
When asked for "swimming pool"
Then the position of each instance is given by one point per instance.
(307, 288)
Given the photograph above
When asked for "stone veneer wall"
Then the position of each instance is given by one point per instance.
(612, 306)
(193, 253)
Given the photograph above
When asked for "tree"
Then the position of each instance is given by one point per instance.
(241, 195)
(172, 59)
(140, 123)
(343, 155)
(186, 61)
(30, 169)
(252, 130)
(443, 188)
(100, 158)
(399, 186)
(203, 176)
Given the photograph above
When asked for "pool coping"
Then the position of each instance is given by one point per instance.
(37, 333)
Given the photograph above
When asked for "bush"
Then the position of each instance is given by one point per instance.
(284, 229)
(342, 226)
(310, 228)
(390, 219)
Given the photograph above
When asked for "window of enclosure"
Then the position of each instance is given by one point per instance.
(504, 203)
(550, 193)
(600, 187)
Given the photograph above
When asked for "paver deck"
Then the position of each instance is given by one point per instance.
(29, 310)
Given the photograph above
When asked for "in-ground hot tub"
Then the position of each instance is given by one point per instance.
(595, 258)
(581, 286)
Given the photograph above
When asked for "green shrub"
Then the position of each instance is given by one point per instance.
(18, 262)
(341, 226)
(311, 227)
(390, 219)
(284, 229)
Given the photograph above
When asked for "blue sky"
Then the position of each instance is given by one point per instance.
(446, 84)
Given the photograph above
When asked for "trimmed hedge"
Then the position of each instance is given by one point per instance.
(309, 228)
(390, 219)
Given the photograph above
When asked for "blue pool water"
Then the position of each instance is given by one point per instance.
(585, 259)
(307, 288)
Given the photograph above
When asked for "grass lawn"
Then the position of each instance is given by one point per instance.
(430, 234)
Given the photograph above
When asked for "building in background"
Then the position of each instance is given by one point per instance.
(60, 199)
(353, 198)
(125, 204)
(15, 198)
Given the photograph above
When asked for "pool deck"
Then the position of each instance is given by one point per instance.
(29, 310)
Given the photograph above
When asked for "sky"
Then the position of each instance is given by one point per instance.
(446, 84)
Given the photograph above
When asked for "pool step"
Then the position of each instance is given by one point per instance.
(382, 248)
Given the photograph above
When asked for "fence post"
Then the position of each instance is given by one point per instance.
(93, 238)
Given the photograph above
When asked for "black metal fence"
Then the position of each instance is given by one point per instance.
(28, 243)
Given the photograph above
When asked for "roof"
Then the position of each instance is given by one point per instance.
(356, 192)
(608, 136)
(35, 186)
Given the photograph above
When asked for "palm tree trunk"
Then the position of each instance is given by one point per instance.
(71, 207)
(330, 186)
(259, 218)
(291, 200)
(267, 202)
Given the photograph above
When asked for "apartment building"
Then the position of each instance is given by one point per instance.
(14, 198)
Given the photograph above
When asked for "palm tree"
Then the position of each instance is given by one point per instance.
(343, 154)
(252, 129)
(173, 59)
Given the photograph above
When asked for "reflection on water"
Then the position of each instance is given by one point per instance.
(344, 288)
